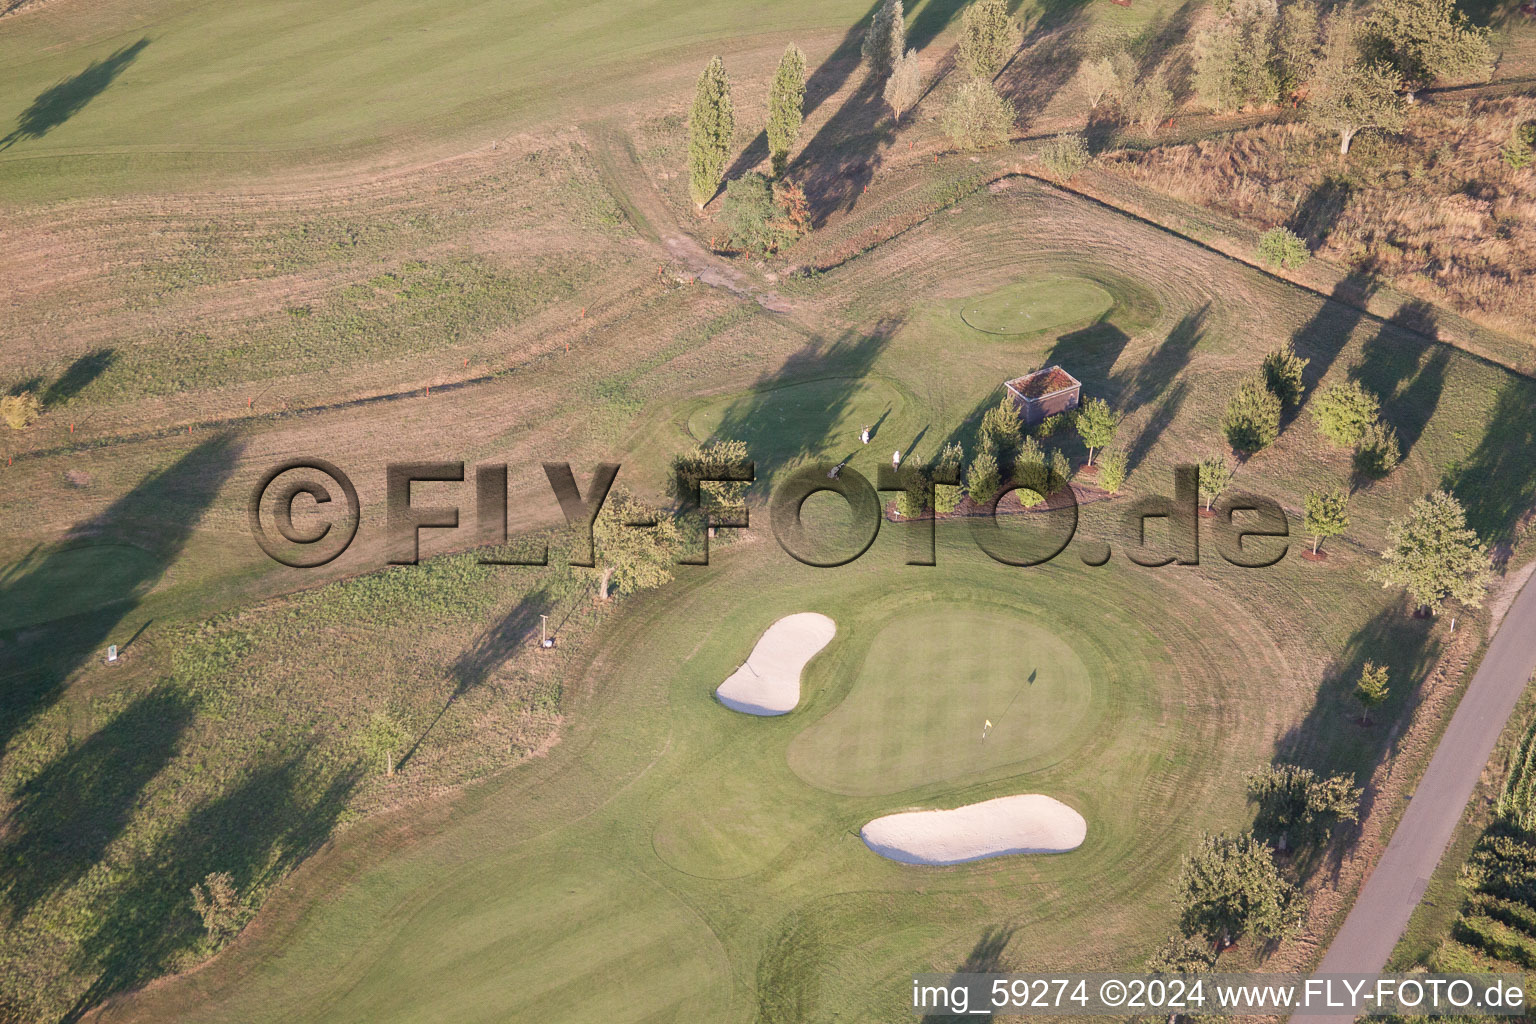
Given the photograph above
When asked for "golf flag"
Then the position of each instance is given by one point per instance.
(986, 728)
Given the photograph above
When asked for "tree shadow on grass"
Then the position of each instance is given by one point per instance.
(1090, 353)
(1154, 376)
(1330, 738)
(1317, 213)
(1397, 354)
(1046, 60)
(257, 830)
(66, 816)
(58, 103)
(1496, 483)
(986, 957)
(78, 376)
(158, 515)
(841, 364)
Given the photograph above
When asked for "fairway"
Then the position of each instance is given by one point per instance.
(80, 577)
(1037, 304)
(929, 680)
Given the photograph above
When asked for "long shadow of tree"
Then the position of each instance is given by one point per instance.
(1323, 337)
(1330, 738)
(58, 103)
(158, 515)
(1399, 353)
(79, 375)
(1317, 213)
(1090, 353)
(986, 957)
(66, 816)
(1496, 483)
(840, 364)
(257, 830)
(1047, 58)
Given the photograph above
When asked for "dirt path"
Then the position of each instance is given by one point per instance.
(616, 160)
(1393, 890)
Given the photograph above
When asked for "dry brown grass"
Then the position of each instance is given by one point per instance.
(1434, 210)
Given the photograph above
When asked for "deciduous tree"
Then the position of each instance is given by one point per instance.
(1215, 478)
(989, 35)
(1350, 93)
(1326, 514)
(1297, 807)
(711, 128)
(1434, 555)
(1097, 80)
(905, 86)
(1371, 690)
(632, 557)
(1426, 40)
(977, 117)
(1096, 425)
(1112, 462)
(786, 107)
(1230, 886)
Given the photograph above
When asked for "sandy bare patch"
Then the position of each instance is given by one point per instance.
(1027, 823)
(769, 682)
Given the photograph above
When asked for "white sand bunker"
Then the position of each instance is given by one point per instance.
(769, 683)
(1028, 823)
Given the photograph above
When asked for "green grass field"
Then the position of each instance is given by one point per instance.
(1038, 305)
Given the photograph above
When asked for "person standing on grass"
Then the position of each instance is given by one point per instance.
(864, 435)
(896, 459)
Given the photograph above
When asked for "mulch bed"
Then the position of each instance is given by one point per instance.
(1320, 556)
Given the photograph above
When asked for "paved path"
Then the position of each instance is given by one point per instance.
(1393, 889)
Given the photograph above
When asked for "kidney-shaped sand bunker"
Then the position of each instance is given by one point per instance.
(1027, 823)
(769, 682)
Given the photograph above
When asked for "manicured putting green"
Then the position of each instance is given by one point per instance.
(925, 687)
(70, 580)
(1037, 304)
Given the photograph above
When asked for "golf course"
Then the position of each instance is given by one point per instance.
(527, 779)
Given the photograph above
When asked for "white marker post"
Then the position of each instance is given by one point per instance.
(544, 640)
(111, 654)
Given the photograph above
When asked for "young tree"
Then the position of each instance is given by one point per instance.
(1030, 469)
(1283, 375)
(1296, 48)
(216, 900)
(1065, 155)
(977, 117)
(1235, 58)
(1112, 463)
(1434, 555)
(947, 496)
(1426, 40)
(711, 128)
(1151, 102)
(1096, 425)
(886, 39)
(1215, 478)
(1327, 515)
(786, 107)
(1371, 689)
(905, 86)
(1343, 411)
(982, 479)
(1298, 807)
(1251, 421)
(383, 740)
(1097, 81)
(1283, 248)
(632, 557)
(988, 37)
(1000, 425)
(20, 411)
(1349, 93)
(1230, 887)
(1059, 470)
(1378, 451)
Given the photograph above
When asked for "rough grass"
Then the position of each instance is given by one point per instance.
(1434, 210)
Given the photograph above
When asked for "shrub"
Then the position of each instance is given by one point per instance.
(978, 117)
(20, 411)
(1343, 411)
(1065, 155)
(1112, 470)
(1051, 424)
(1282, 247)
(1378, 452)
(912, 502)
(1517, 153)
(982, 480)
(1029, 497)
(1150, 103)
(217, 902)
(946, 498)
(1283, 370)
(1251, 421)
(1029, 469)
(762, 216)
